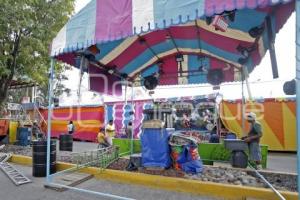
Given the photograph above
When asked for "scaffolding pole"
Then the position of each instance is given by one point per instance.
(298, 88)
(243, 102)
(50, 95)
(132, 124)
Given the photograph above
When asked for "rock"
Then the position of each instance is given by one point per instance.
(230, 176)
(244, 174)
(245, 181)
(222, 180)
(237, 183)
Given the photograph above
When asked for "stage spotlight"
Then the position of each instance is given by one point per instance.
(257, 31)
(208, 20)
(243, 60)
(142, 40)
(179, 58)
(230, 15)
(124, 75)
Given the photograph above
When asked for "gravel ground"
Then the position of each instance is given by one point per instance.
(63, 156)
(224, 175)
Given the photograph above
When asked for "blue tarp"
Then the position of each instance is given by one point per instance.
(188, 163)
(155, 148)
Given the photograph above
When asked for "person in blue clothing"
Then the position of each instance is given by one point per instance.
(214, 137)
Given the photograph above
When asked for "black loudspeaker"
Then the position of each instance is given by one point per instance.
(150, 82)
(208, 20)
(215, 76)
(56, 102)
(289, 87)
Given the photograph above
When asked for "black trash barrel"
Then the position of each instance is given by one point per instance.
(66, 142)
(239, 159)
(39, 158)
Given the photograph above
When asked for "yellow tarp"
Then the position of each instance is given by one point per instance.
(277, 117)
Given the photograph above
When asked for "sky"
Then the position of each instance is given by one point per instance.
(261, 80)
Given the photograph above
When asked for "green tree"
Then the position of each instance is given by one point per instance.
(27, 28)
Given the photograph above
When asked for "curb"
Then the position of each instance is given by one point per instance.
(232, 192)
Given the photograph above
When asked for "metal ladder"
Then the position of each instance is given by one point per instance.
(5, 157)
(16, 176)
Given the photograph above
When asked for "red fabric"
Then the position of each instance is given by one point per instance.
(4, 124)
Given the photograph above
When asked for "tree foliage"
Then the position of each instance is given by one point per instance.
(27, 28)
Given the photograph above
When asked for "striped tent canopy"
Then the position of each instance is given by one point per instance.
(138, 38)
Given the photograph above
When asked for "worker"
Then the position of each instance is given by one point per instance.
(36, 131)
(186, 121)
(102, 141)
(214, 137)
(253, 139)
(128, 130)
(71, 127)
(110, 131)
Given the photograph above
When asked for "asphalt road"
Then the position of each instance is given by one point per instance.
(282, 162)
(36, 190)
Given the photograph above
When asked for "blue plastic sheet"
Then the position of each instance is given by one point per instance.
(155, 148)
(188, 163)
(23, 134)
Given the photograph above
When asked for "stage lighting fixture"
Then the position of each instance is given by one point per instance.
(257, 31)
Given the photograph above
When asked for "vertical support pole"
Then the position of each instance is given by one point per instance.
(126, 86)
(50, 95)
(32, 94)
(298, 88)
(132, 125)
(246, 75)
(243, 102)
(81, 72)
(272, 47)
